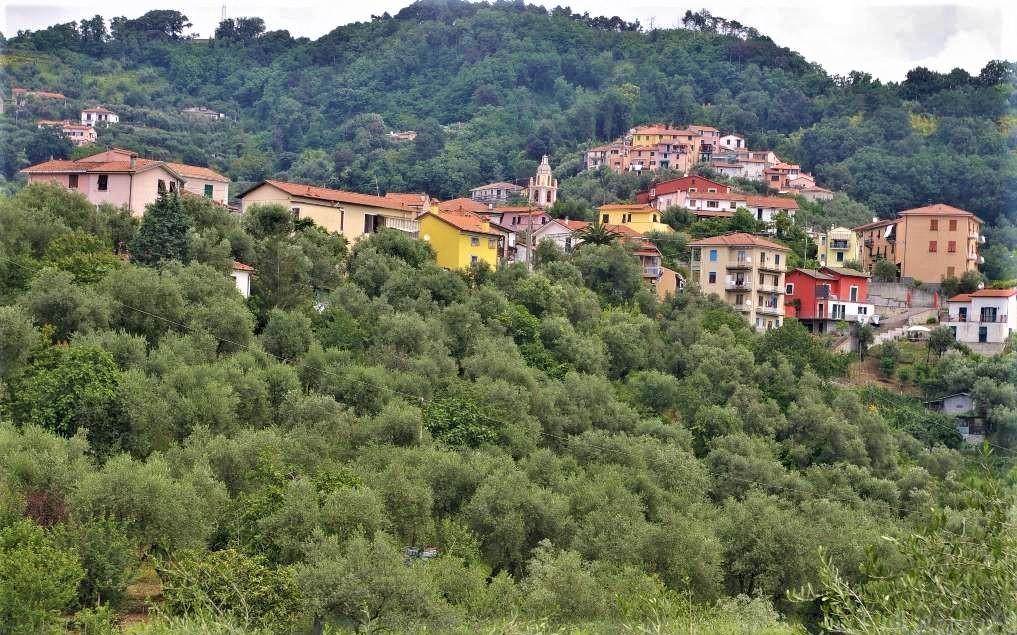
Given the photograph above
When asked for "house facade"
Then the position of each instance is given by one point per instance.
(641, 218)
(77, 134)
(877, 241)
(732, 142)
(987, 316)
(838, 246)
(675, 192)
(351, 214)
(497, 192)
(779, 175)
(460, 239)
(821, 298)
(938, 241)
(746, 271)
(98, 116)
(241, 274)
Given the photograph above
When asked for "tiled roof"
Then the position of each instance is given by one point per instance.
(196, 172)
(684, 182)
(738, 239)
(960, 297)
(465, 221)
(462, 205)
(37, 93)
(939, 209)
(717, 196)
(847, 271)
(239, 266)
(812, 273)
(635, 207)
(407, 198)
(498, 185)
(771, 201)
(994, 293)
(332, 196)
(509, 209)
(875, 224)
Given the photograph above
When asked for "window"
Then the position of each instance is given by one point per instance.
(473, 259)
(711, 203)
(173, 186)
(604, 218)
(474, 241)
(72, 181)
(712, 278)
(295, 213)
(951, 246)
(713, 255)
(854, 294)
(953, 225)
(492, 243)
(840, 256)
(162, 185)
(932, 246)
(934, 224)
(789, 288)
(208, 191)
(103, 182)
(739, 299)
(776, 259)
(654, 218)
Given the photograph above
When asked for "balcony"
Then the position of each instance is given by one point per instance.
(980, 319)
(740, 263)
(769, 265)
(651, 272)
(745, 307)
(408, 225)
(838, 244)
(738, 285)
(769, 288)
(768, 309)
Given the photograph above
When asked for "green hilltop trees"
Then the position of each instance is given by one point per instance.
(577, 451)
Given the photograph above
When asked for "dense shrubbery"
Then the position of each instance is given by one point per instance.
(578, 451)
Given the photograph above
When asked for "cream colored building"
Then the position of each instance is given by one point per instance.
(351, 214)
(746, 271)
(838, 246)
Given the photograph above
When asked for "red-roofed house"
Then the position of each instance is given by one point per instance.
(987, 316)
(747, 271)
(349, 213)
(460, 239)
(121, 178)
(461, 205)
(779, 176)
(77, 134)
(676, 192)
(241, 275)
(498, 192)
(821, 298)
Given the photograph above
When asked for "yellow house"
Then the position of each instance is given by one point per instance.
(460, 239)
(351, 214)
(838, 246)
(640, 217)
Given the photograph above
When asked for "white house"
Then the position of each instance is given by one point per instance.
(241, 275)
(98, 116)
(732, 142)
(987, 316)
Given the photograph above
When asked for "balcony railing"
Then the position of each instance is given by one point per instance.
(981, 319)
(769, 288)
(651, 272)
(740, 263)
(769, 265)
(738, 285)
(770, 309)
(407, 225)
(838, 244)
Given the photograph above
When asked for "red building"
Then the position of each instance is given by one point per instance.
(673, 193)
(831, 294)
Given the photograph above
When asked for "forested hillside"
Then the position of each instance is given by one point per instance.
(577, 451)
(491, 87)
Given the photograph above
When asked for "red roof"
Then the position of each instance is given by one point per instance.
(960, 297)
(94, 163)
(939, 209)
(812, 273)
(717, 196)
(682, 184)
(875, 224)
(407, 198)
(239, 266)
(197, 172)
(330, 195)
(37, 93)
(636, 207)
(994, 293)
(771, 201)
(738, 239)
(465, 221)
(462, 205)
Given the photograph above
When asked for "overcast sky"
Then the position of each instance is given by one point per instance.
(885, 38)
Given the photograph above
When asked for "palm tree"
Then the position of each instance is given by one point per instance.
(596, 233)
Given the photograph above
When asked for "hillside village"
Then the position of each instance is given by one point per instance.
(636, 365)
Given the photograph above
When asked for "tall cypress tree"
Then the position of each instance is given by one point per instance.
(163, 232)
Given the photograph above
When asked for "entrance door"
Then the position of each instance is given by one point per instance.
(983, 334)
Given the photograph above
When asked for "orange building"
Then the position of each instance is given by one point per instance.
(926, 243)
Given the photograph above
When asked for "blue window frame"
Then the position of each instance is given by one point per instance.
(713, 255)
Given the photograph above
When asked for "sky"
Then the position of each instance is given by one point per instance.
(883, 37)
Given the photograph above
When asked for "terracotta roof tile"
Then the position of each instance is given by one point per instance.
(812, 273)
(939, 209)
(771, 201)
(739, 239)
(196, 172)
(994, 293)
(239, 266)
(462, 205)
(960, 297)
(875, 224)
(332, 196)
(465, 221)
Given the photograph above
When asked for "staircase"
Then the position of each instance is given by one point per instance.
(892, 334)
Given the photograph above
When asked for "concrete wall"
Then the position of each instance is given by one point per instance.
(894, 295)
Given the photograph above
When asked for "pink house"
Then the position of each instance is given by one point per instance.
(121, 178)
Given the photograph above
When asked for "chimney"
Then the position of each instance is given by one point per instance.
(132, 161)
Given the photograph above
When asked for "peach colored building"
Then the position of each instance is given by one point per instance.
(928, 243)
(121, 178)
(746, 271)
(938, 241)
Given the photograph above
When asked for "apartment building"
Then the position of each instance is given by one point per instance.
(839, 245)
(938, 241)
(747, 271)
(877, 241)
(821, 298)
